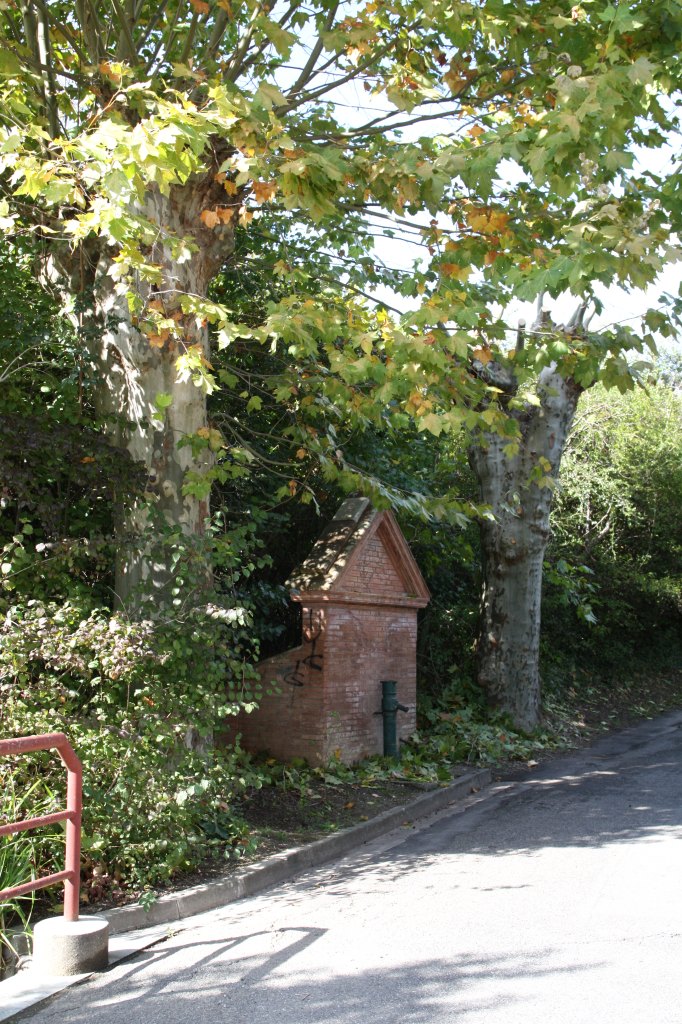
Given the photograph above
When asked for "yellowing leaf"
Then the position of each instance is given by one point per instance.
(210, 218)
(475, 131)
(301, 453)
(215, 440)
(158, 340)
(226, 213)
(263, 191)
(486, 221)
(454, 271)
(281, 38)
(200, 6)
(112, 70)
(483, 354)
(431, 422)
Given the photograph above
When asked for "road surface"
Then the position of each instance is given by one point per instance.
(556, 898)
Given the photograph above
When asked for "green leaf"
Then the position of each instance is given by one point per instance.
(431, 422)
(281, 38)
(9, 63)
(269, 96)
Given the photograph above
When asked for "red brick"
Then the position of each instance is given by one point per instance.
(360, 630)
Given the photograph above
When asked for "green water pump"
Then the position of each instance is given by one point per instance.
(390, 706)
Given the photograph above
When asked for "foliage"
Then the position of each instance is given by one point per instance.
(617, 530)
(224, 115)
(145, 96)
(23, 856)
(141, 702)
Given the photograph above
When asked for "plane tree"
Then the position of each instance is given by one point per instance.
(137, 138)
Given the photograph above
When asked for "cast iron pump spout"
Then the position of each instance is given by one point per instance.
(390, 706)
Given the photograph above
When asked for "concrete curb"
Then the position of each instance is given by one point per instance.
(282, 866)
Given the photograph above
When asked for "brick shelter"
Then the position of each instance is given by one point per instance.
(360, 590)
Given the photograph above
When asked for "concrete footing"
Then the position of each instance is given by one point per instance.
(70, 947)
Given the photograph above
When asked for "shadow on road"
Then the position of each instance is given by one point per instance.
(224, 985)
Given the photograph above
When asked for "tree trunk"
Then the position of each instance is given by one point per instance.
(514, 545)
(132, 370)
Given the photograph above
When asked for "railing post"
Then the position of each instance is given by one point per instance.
(68, 945)
(74, 804)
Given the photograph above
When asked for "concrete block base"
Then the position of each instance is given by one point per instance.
(70, 947)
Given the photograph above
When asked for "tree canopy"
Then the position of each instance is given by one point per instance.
(150, 150)
(529, 181)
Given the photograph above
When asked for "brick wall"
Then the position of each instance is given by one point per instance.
(372, 572)
(365, 645)
(289, 720)
(327, 692)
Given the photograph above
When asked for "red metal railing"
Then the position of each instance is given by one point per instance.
(71, 875)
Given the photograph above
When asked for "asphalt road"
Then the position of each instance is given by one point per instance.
(556, 898)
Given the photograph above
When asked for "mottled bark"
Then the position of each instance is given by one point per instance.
(132, 371)
(514, 547)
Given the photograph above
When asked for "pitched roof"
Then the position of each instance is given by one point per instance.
(337, 548)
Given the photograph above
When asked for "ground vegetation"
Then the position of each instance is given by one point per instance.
(202, 352)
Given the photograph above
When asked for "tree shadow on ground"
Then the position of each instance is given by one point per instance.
(230, 981)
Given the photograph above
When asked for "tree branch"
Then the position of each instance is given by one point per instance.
(318, 47)
(154, 21)
(235, 66)
(189, 39)
(222, 21)
(315, 94)
(126, 41)
(39, 21)
(91, 29)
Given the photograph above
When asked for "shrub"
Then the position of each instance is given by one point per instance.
(141, 703)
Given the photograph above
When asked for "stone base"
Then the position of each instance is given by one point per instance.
(70, 947)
